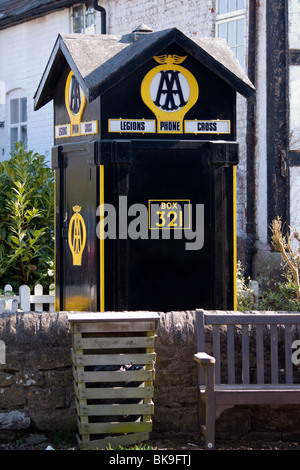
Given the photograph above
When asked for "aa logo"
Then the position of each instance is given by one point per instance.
(75, 103)
(75, 95)
(77, 236)
(169, 90)
(172, 91)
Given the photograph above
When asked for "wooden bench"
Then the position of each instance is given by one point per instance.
(247, 369)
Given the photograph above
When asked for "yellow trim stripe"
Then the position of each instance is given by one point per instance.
(234, 242)
(56, 301)
(102, 303)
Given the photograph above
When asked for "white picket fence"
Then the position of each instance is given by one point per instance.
(26, 301)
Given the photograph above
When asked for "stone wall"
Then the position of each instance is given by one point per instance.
(36, 390)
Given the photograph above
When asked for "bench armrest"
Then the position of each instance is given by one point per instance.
(204, 358)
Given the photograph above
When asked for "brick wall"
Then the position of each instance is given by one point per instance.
(192, 17)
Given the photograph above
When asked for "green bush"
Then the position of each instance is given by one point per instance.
(26, 220)
(283, 296)
(245, 296)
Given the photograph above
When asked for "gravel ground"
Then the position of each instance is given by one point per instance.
(42, 442)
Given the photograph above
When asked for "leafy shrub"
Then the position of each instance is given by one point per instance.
(245, 296)
(26, 220)
(289, 247)
(283, 296)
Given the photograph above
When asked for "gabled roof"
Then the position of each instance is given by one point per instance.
(14, 12)
(101, 61)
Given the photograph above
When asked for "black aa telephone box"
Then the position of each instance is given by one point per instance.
(145, 157)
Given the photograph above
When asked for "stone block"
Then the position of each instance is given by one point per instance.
(12, 398)
(14, 420)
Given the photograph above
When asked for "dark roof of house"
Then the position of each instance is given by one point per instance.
(14, 12)
(101, 61)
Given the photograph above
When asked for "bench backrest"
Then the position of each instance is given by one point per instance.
(260, 347)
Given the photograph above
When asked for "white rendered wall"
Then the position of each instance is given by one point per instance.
(24, 52)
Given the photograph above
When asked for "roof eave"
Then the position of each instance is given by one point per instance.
(14, 20)
(59, 54)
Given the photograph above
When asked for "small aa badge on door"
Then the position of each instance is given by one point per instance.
(77, 236)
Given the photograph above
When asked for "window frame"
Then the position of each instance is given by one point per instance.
(85, 29)
(20, 125)
(233, 16)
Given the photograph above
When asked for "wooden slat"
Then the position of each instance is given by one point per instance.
(258, 387)
(116, 376)
(274, 354)
(288, 354)
(73, 356)
(245, 354)
(75, 375)
(108, 327)
(258, 397)
(116, 409)
(149, 367)
(113, 359)
(115, 343)
(252, 319)
(114, 393)
(99, 428)
(112, 316)
(82, 401)
(260, 354)
(41, 299)
(216, 353)
(114, 441)
(230, 354)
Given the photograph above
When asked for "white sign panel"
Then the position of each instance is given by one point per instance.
(131, 125)
(207, 127)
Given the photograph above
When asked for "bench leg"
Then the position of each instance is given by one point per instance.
(206, 407)
(210, 408)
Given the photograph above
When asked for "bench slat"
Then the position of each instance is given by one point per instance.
(257, 397)
(217, 356)
(259, 387)
(252, 319)
(245, 354)
(288, 354)
(230, 354)
(274, 354)
(260, 354)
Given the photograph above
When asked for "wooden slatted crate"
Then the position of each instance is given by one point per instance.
(113, 358)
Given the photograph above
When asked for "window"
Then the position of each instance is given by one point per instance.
(84, 19)
(231, 26)
(18, 121)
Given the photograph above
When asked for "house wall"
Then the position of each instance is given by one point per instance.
(192, 18)
(24, 52)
